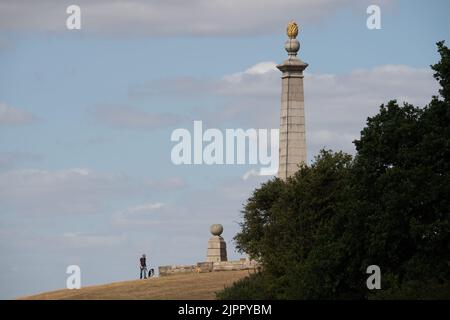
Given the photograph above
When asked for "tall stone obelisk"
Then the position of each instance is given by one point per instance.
(292, 116)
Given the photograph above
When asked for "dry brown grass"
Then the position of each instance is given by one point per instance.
(195, 286)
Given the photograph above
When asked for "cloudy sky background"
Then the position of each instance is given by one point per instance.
(86, 117)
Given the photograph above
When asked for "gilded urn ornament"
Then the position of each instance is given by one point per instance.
(292, 30)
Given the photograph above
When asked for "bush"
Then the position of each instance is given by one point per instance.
(254, 287)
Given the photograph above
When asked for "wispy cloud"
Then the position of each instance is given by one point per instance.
(251, 173)
(72, 191)
(67, 191)
(10, 116)
(126, 117)
(142, 215)
(168, 184)
(336, 105)
(194, 17)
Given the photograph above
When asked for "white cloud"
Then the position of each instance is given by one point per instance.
(144, 208)
(256, 80)
(126, 117)
(251, 173)
(141, 215)
(236, 191)
(255, 70)
(13, 116)
(71, 240)
(73, 191)
(336, 105)
(139, 211)
(194, 17)
(167, 184)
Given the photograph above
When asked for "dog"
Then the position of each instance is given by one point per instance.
(151, 272)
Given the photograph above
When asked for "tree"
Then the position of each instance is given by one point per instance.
(290, 225)
(402, 173)
(316, 233)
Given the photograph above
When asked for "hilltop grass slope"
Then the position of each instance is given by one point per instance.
(201, 286)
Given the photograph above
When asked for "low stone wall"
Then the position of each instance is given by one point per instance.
(168, 270)
(201, 267)
(242, 264)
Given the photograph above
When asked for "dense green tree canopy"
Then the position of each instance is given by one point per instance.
(316, 233)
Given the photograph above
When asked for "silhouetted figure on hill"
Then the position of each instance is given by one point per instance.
(143, 265)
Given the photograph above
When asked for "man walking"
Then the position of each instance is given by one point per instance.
(143, 266)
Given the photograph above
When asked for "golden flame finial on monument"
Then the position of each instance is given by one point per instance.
(292, 29)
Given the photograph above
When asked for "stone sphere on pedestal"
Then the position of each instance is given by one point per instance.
(217, 247)
(216, 229)
(292, 46)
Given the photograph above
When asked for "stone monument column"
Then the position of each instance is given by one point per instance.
(217, 247)
(292, 116)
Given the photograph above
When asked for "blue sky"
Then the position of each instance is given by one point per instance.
(86, 117)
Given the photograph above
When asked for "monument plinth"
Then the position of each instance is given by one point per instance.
(292, 144)
(217, 247)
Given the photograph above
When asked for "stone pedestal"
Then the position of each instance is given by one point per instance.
(292, 145)
(217, 247)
